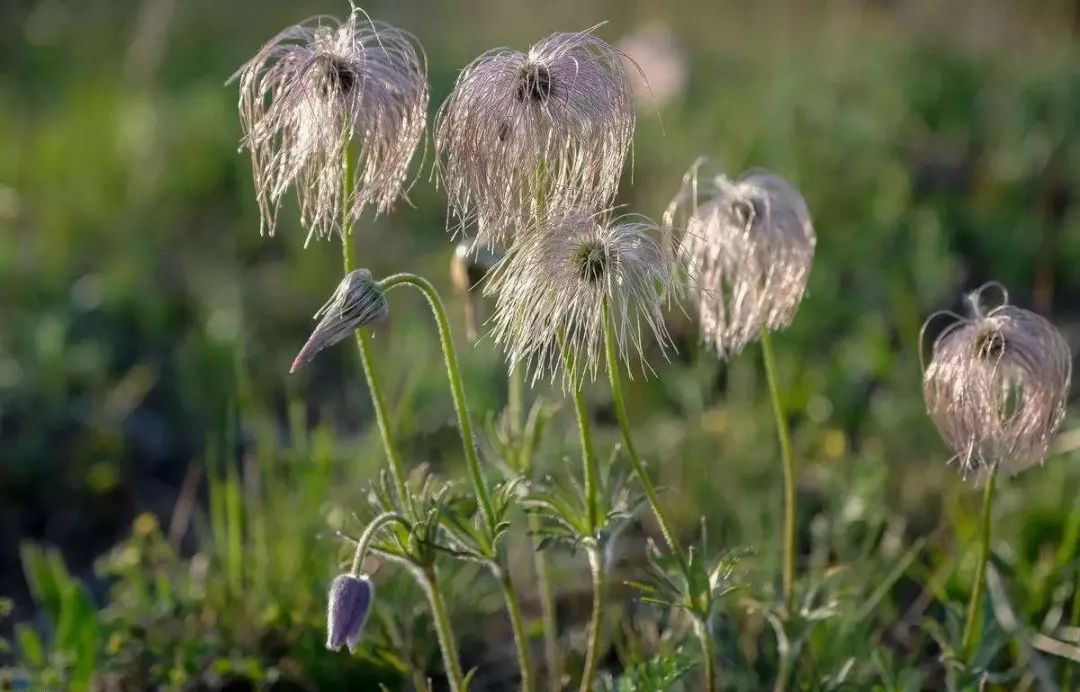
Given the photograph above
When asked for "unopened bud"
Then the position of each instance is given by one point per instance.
(350, 602)
(357, 302)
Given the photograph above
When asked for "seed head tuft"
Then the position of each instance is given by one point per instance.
(303, 98)
(526, 135)
(996, 385)
(748, 247)
(553, 287)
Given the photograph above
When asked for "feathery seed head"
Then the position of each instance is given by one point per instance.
(357, 302)
(349, 604)
(525, 135)
(553, 287)
(996, 385)
(748, 246)
(303, 98)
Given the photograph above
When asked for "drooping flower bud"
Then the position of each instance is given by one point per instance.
(350, 601)
(357, 302)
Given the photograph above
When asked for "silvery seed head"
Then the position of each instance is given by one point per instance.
(748, 246)
(996, 386)
(556, 282)
(526, 135)
(304, 97)
(357, 302)
(349, 605)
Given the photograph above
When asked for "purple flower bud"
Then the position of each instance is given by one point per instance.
(351, 598)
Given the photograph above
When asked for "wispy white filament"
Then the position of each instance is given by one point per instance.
(308, 93)
(524, 135)
(748, 246)
(996, 386)
(552, 288)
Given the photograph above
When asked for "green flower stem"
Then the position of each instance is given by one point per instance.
(974, 605)
(517, 623)
(788, 461)
(378, 399)
(468, 441)
(515, 404)
(429, 581)
(369, 533)
(547, 608)
(588, 459)
(457, 389)
(596, 624)
(708, 653)
(611, 349)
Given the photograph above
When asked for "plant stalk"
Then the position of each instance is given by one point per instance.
(429, 580)
(788, 461)
(708, 653)
(975, 603)
(596, 623)
(369, 533)
(517, 623)
(547, 609)
(378, 399)
(457, 388)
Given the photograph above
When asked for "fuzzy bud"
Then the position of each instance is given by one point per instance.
(357, 302)
(350, 601)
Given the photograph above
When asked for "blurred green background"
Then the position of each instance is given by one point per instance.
(146, 329)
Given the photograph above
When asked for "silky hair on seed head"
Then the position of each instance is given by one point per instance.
(552, 288)
(996, 384)
(526, 135)
(747, 246)
(304, 97)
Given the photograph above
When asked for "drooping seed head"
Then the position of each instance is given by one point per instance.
(304, 97)
(350, 600)
(525, 135)
(357, 302)
(748, 246)
(996, 386)
(554, 285)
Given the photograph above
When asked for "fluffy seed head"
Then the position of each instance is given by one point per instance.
(357, 302)
(553, 287)
(996, 385)
(748, 247)
(526, 135)
(303, 98)
(349, 604)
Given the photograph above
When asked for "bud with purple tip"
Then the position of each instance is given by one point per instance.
(351, 598)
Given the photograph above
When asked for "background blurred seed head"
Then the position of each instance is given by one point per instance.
(468, 267)
(552, 286)
(748, 246)
(524, 135)
(655, 63)
(996, 386)
(303, 97)
(357, 302)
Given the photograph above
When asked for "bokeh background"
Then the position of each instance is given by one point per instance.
(182, 489)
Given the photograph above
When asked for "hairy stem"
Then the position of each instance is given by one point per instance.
(429, 580)
(788, 461)
(708, 654)
(457, 388)
(596, 623)
(515, 400)
(517, 623)
(611, 350)
(974, 605)
(377, 523)
(378, 399)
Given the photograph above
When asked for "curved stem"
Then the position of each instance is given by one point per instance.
(980, 569)
(708, 653)
(517, 623)
(596, 624)
(369, 533)
(378, 400)
(611, 350)
(429, 580)
(788, 461)
(457, 388)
